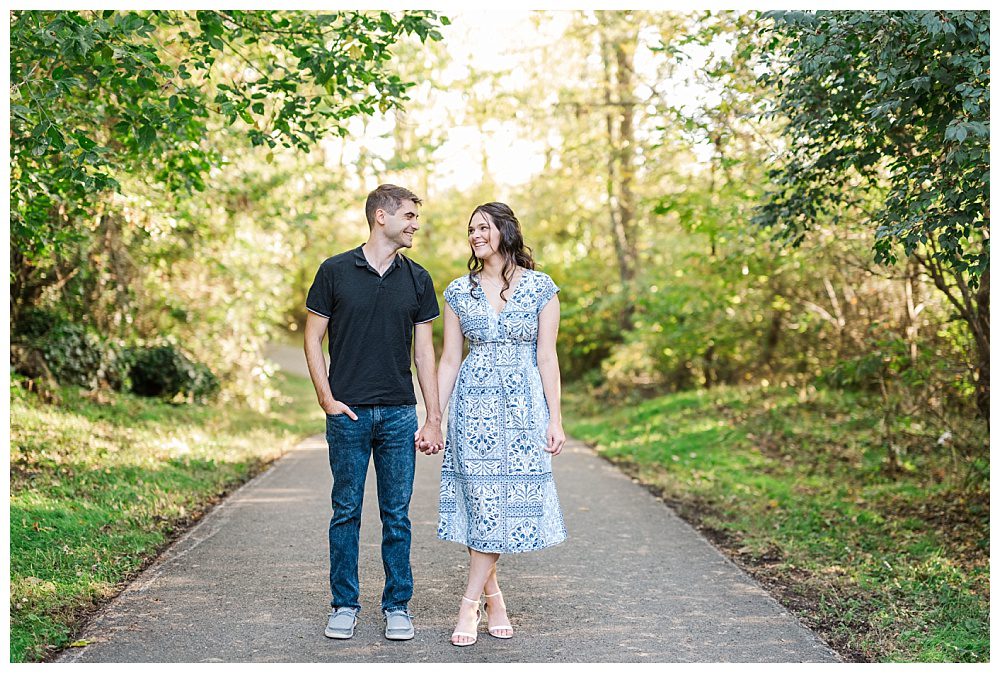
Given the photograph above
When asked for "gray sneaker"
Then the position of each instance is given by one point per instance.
(398, 624)
(341, 623)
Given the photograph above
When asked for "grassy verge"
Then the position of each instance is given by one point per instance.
(99, 484)
(887, 565)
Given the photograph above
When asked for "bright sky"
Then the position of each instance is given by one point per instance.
(492, 40)
(486, 41)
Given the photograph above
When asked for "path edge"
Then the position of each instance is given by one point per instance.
(170, 552)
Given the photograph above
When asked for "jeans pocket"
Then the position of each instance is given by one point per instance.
(333, 424)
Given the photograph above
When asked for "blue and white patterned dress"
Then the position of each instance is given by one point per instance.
(497, 492)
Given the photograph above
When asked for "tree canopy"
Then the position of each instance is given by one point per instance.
(893, 100)
(95, 94)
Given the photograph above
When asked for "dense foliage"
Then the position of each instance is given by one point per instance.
(123, 122)
(897, 103)
(643, 209)
(887, 100)
(97, 94)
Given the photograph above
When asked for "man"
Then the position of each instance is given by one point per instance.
(376, 303)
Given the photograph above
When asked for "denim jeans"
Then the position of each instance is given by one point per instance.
(385, 433)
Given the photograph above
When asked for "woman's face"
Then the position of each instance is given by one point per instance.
(484, 237)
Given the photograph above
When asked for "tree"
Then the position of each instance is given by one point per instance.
(618, 35)
(98, 94)
(894, 103)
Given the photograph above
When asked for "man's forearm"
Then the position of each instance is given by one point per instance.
(427, 378)
(317, 371)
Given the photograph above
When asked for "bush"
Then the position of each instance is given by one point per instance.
(77, 356)
(34, 323)
(164, 371)
(631, 367)
(44, 345)
(884, 360)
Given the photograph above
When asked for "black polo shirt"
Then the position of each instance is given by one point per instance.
(371, 325)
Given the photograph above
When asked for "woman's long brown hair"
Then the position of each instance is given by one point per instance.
(515, 253)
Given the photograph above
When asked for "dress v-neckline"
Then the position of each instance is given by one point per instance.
(513, 291)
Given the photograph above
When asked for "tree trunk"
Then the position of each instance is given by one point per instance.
(982, 331)
(975, 311)
(772, 338)
(617, 49)
(911, 293)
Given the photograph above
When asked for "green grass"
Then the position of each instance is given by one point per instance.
(887, 563)
(100, 483)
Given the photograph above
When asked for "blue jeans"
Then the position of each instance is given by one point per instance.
(385, 433)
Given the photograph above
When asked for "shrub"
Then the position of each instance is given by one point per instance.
(34, 323)
(164, 371)
(631, 367)
(78, 356)
(884, 360)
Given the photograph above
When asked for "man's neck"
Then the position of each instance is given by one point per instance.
(380, 253)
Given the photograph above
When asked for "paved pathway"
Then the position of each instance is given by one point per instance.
(633, 583)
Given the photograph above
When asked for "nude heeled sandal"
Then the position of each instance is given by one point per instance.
(501, 627)
(474, 636)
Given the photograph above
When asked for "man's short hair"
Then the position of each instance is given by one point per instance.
(389, 198)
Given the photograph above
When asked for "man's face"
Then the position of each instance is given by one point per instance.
(401, 225)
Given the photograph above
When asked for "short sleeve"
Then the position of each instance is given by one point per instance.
(545, 291)
(451, 294)
(320, 297)
(428, 309)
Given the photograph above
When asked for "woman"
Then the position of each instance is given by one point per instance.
(504, 422)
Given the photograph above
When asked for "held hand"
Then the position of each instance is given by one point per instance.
(434, 438)
(556, 438)
(335, 408)
(428, 439)
(419, 443)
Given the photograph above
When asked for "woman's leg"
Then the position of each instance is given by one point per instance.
(481, 565)
(496, 611)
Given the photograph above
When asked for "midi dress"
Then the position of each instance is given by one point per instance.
(497, 491)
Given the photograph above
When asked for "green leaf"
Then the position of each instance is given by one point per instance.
(58, 142)
(146, 135)
(40, 129)
(84, 141)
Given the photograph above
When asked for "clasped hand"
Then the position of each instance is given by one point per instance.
(428, 439)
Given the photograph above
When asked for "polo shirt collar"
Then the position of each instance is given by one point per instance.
(362, 261)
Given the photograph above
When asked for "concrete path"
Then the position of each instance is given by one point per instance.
(633, 583)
